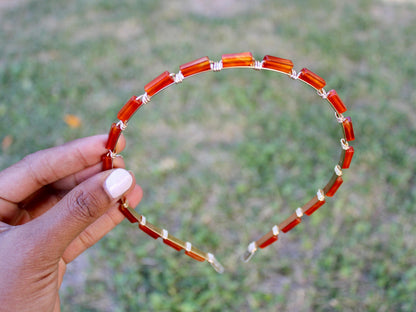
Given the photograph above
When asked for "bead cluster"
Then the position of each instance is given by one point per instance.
(235, 60)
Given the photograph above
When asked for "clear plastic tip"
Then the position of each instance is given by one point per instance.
(215, 263)
(251, 249)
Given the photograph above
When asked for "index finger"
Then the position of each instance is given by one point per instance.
(47, 166)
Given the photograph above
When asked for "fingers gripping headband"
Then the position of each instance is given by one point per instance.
(236, 60)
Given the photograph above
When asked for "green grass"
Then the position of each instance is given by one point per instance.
(243, 149)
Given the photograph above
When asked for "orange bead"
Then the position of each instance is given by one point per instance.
(348, 129)
(311, 78)
(159, 83)
(313, 205)
(237, 59)
(107, 162)
(149, 231)
(349, 153)
(129, 109)
(336, 102)
(277, 63)
(172, 244)
(291, 225)
(127, 214)
(267, 240)
(113, 136)
(333, 189)
(194, 256)
(194, 67)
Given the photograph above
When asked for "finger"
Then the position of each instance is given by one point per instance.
(50, 165)
(73, 180)
(57, 227)
(61, 272)
(93, 233)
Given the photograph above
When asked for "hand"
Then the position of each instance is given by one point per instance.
(54, 204)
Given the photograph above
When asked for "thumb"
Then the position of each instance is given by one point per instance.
(79, 208)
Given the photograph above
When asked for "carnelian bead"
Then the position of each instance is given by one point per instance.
(128, 214)
(291, 224)
(237, 59)
(107, 162)
(313, 205)
(336, 102)
(277, 63)
(194, 67)
(333, 189)
(349, 153)
(113, 136)
(195, 256)
(159, 83)
(149, 231)
(313, 79)
(129, 109)
(267, 240)
(172, 244)
(348, 129)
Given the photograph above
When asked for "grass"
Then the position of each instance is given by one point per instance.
(223, 157)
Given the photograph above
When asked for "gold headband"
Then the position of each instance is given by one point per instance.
(236, 60)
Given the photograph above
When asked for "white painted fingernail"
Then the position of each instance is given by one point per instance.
(118, 182)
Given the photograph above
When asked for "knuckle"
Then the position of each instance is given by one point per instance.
(87, 238)
(36, 161)
(85, 205)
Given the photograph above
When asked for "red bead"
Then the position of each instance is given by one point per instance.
(237, 59)
(291, 224)
(313, 79)
(194, 67)
(313, 205)
(129, 109)
(113, 136)
(127, 214)
(107, 162)
(333, 189)
(194, 256)
(159, 83)
(267, 240)
(336, 102)
(277, 63)
(172, 244)
(349, 153)
(348, 129)
(149, 231)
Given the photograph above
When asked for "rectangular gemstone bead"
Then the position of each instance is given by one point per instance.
(277, 63)
(311, 206)
(129, 109)
(290, 223)
(348, 154)
(132, 217)
(348, 129)
(267, 240)
(107, 162)
(311, 78)
(174, 243)
(151, 230)
(331, 188)
(159, 83)
(194, 67)
(196, 254)
(237, 59)
(336, 102)
(113, 136)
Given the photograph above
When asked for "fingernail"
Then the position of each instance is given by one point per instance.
(118, 182)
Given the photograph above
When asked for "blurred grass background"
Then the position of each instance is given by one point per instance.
(223, 157)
